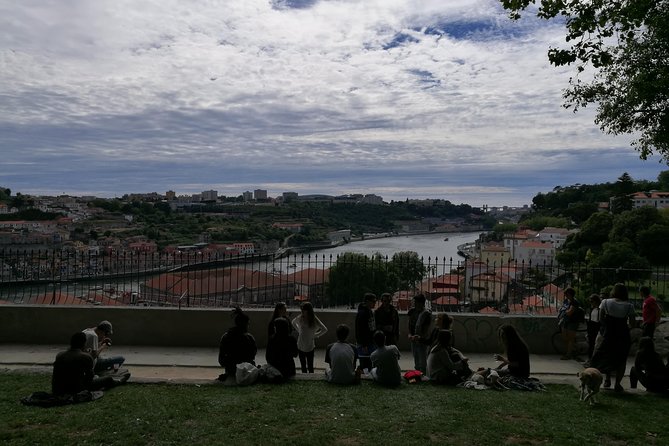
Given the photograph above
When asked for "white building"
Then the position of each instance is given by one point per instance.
(209, 195)
(658, 200)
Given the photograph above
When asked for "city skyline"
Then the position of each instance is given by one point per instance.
(399, 98)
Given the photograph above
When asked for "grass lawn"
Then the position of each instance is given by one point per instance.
(315, 413)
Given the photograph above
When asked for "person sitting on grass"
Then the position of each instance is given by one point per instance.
(516, 361)
(237, 345)
(282, 348)
(649, 369)
(98, 339)
(342, 357)
(445, 364)
(385, 362)
(73, 371)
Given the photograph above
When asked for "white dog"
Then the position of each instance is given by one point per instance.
(591, 381)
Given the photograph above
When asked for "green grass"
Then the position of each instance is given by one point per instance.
(315, 413)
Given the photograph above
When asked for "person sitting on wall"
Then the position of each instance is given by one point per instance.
(73, 371)
(282, 348)
(385, 362)
(237, 345)
(97, 341)
(445, 364)
(341, 357)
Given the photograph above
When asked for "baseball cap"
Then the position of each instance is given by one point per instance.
(106, 327)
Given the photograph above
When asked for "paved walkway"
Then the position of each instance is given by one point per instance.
(200, 365)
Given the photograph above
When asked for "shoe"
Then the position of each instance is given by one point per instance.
(633, 382)
(124, 379)
(618, 388)
(222, 377)
(607, 383)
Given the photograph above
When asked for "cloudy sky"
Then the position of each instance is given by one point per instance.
(402, 98)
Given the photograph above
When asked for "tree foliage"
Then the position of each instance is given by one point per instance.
(622, 48)
(355, 274)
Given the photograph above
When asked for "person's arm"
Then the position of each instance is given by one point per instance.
(327, 354)
(321, 329)
(296, 324)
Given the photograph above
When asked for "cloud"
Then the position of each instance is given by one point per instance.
(403, 97)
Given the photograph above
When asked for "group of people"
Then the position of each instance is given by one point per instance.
(83, 368)
(609, 337)
(375, 352)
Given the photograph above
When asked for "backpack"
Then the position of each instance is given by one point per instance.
(578, 315)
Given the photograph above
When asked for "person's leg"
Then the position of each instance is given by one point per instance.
(422, 366)
(416, 356)
(569, 336)
(620, 373)
(648, 330)
(303, 360)
(310, 361)
(107, 363)
(634, 378)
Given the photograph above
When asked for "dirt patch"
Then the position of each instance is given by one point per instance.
(348, 441)
(514, 439)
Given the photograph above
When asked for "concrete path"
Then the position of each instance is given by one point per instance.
(200, 365)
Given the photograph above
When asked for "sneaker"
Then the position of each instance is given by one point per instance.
(607, 383)
(222, 377)
(618, 388)
(124, 379)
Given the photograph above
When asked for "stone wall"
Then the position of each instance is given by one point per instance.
(36, 324)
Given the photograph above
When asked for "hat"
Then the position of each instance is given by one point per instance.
(106, 327)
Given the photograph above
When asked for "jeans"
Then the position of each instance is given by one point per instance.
(419, 352)
(306, 361)
(103, 364)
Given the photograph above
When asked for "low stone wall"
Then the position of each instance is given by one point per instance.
(474, 333)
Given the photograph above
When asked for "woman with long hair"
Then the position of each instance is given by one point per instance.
(445, 364)
(308, 327)
(516, 359)
(616, 316)
(280, 310)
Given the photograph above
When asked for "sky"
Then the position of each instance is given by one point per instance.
(400, 98)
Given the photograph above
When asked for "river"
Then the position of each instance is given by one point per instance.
(432, 246)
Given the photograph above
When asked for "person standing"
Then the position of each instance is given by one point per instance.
(617, 315)
(364, 330)
(388, 320)
(650, 312)
(280, 310)
(420, 331)
(594, 324)
(568, 321)
(309, 328)
(97, 341)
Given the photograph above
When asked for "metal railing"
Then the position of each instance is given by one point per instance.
(200, 279)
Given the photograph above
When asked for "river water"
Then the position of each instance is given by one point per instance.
(428, 246)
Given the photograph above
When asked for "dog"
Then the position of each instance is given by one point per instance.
(591, 381)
